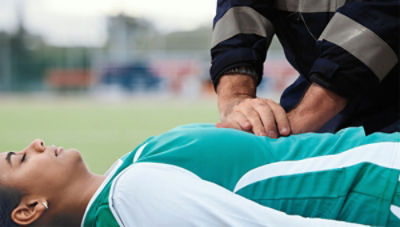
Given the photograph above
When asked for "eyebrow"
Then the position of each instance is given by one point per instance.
(8, 157)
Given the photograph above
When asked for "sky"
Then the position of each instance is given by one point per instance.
(82, 22)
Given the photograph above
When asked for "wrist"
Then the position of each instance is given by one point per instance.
(243, 70)
(232, 89)
(234, 85)
(317, 107)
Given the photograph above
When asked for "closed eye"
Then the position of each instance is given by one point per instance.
(23, 158)
(8, 157)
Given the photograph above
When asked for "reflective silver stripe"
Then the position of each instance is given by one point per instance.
(309, 6)
(241, 20)
(362, 43)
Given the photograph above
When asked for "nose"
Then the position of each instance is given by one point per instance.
(37, 145)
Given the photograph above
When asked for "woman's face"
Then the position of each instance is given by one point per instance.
(40, 169)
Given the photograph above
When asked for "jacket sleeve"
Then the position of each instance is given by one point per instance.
(242, 33)
(359, 47)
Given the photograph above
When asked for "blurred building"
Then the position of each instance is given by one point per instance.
(123, 33)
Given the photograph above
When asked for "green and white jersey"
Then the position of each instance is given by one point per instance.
(203, 176)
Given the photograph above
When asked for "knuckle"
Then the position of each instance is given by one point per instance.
(252, 114)
(242, 105)
(261, 103)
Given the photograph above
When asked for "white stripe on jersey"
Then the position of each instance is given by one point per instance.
(156, 194)
(395, 210)
(139, 152)
(385, 154)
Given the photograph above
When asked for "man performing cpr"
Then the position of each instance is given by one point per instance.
(205, 176)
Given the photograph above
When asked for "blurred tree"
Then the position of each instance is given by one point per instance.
(26, 65)
(5, 62)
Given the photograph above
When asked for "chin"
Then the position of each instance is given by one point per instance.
(77, 159)
(75, 155)
(72, 158)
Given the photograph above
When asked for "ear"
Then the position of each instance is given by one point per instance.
(27, 212)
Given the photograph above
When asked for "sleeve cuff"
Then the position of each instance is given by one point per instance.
(326, 74)
(235, 59)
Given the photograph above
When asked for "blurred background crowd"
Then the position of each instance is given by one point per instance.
(114, 48)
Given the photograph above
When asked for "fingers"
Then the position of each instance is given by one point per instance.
(263, 117)
(281, 119)
(224, 125)
(253, 116)
(236, 120)
(267, 118)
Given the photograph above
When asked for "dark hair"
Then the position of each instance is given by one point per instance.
(9, 199)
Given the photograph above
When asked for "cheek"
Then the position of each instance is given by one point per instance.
(36, 172)
(48, 173)
(36, 175)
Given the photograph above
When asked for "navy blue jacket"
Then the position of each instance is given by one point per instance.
(349, 47)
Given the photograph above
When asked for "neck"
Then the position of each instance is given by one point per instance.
(76, 198)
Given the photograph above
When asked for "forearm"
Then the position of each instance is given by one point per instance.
(317, 107)
(232, 89)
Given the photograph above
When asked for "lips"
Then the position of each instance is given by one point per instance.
(58, 151)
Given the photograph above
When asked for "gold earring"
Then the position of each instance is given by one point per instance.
(44, 203)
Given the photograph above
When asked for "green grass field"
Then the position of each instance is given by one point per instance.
(101, 131)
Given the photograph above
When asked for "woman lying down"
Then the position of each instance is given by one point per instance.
(203, 176)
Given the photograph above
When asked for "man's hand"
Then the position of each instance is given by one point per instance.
(240, 109)
(263, 117)
(317, 107)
